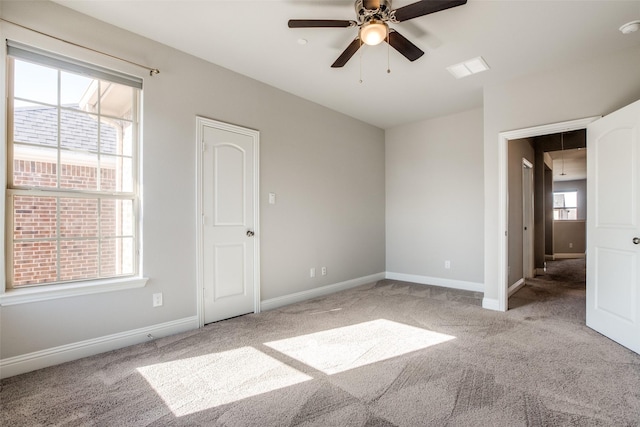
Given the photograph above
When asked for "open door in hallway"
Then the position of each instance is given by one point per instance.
(613, 230)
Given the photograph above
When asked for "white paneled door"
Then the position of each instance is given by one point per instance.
(229, 209)
(613, 230)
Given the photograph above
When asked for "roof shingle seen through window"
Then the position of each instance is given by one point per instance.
(38, 125)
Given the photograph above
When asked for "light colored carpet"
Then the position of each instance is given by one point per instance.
(384, 354)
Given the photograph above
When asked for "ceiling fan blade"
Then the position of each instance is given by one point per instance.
(404, 46)
(371, 4)
(348, 53)
(425, 7)
(320, 23)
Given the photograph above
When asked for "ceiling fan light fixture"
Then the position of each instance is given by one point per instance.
(630, 27)
(373, 33)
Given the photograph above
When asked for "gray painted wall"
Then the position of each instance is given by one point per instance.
(326, 168)
(597, 86)
(569, 237)
(434, 197)
(517, 150)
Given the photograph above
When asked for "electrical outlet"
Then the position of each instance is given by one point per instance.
(312, 272)
(570, 245)
(157, 300)
(447, 264)
(324, 271)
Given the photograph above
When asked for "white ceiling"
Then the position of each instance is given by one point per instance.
(516, 37)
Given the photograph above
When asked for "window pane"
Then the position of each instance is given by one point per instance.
(35, 82)
(108, 254)
(110, 140)
(117, 256)
(78, 259)
(116, 174)
(565, 199)
(78, 170)
(34, 217)
(127, 138)
(34, 263)
(35, 124)
(126, 257)
(127, 175)
(78, 131)
(108, 173)
(78, 217)
(565, 214)
(116, 100)
(74, 91)
(116, 137)
(116, 218)
(34, 166)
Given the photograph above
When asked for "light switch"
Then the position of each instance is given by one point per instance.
(272, 198)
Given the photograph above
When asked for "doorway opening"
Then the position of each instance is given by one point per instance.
(552, 189)
(506, 273)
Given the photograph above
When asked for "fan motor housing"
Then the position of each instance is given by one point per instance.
(382, 13)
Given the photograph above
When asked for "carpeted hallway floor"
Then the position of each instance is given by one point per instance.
(384, 354)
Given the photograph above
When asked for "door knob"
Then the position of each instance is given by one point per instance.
(250, 233)
(636, 240)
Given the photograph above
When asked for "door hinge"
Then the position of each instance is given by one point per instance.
(204, 219)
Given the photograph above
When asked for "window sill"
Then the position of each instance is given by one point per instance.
(65, 290)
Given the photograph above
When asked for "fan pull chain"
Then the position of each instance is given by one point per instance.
(360, 58)
(388, 54)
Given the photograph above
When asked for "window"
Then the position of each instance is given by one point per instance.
(72, 169)
(565, 205)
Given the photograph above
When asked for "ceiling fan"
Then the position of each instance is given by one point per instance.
(373, 18)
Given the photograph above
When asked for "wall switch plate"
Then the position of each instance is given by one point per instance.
(272, 198)
(312, 272)
(157, 299)
(324, 271)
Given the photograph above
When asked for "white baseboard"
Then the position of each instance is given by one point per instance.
(65, 353)
(491, 304)
(515, 287)
(272, 303)
(569, 255)
(437, 281)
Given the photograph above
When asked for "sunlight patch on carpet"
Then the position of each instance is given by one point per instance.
(341, 349)
(199, 383)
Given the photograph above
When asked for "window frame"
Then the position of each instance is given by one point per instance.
(559, 209)
(9, 294)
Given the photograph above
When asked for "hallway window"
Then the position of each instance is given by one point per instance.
(565, 205)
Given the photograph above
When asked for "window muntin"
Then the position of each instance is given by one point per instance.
(72, 181)
(565, 205)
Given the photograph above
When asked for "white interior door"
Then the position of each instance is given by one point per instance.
(229, 208)
(613, 226)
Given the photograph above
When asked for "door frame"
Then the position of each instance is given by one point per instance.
(201, 122)
(528, 261)
(503, 205)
